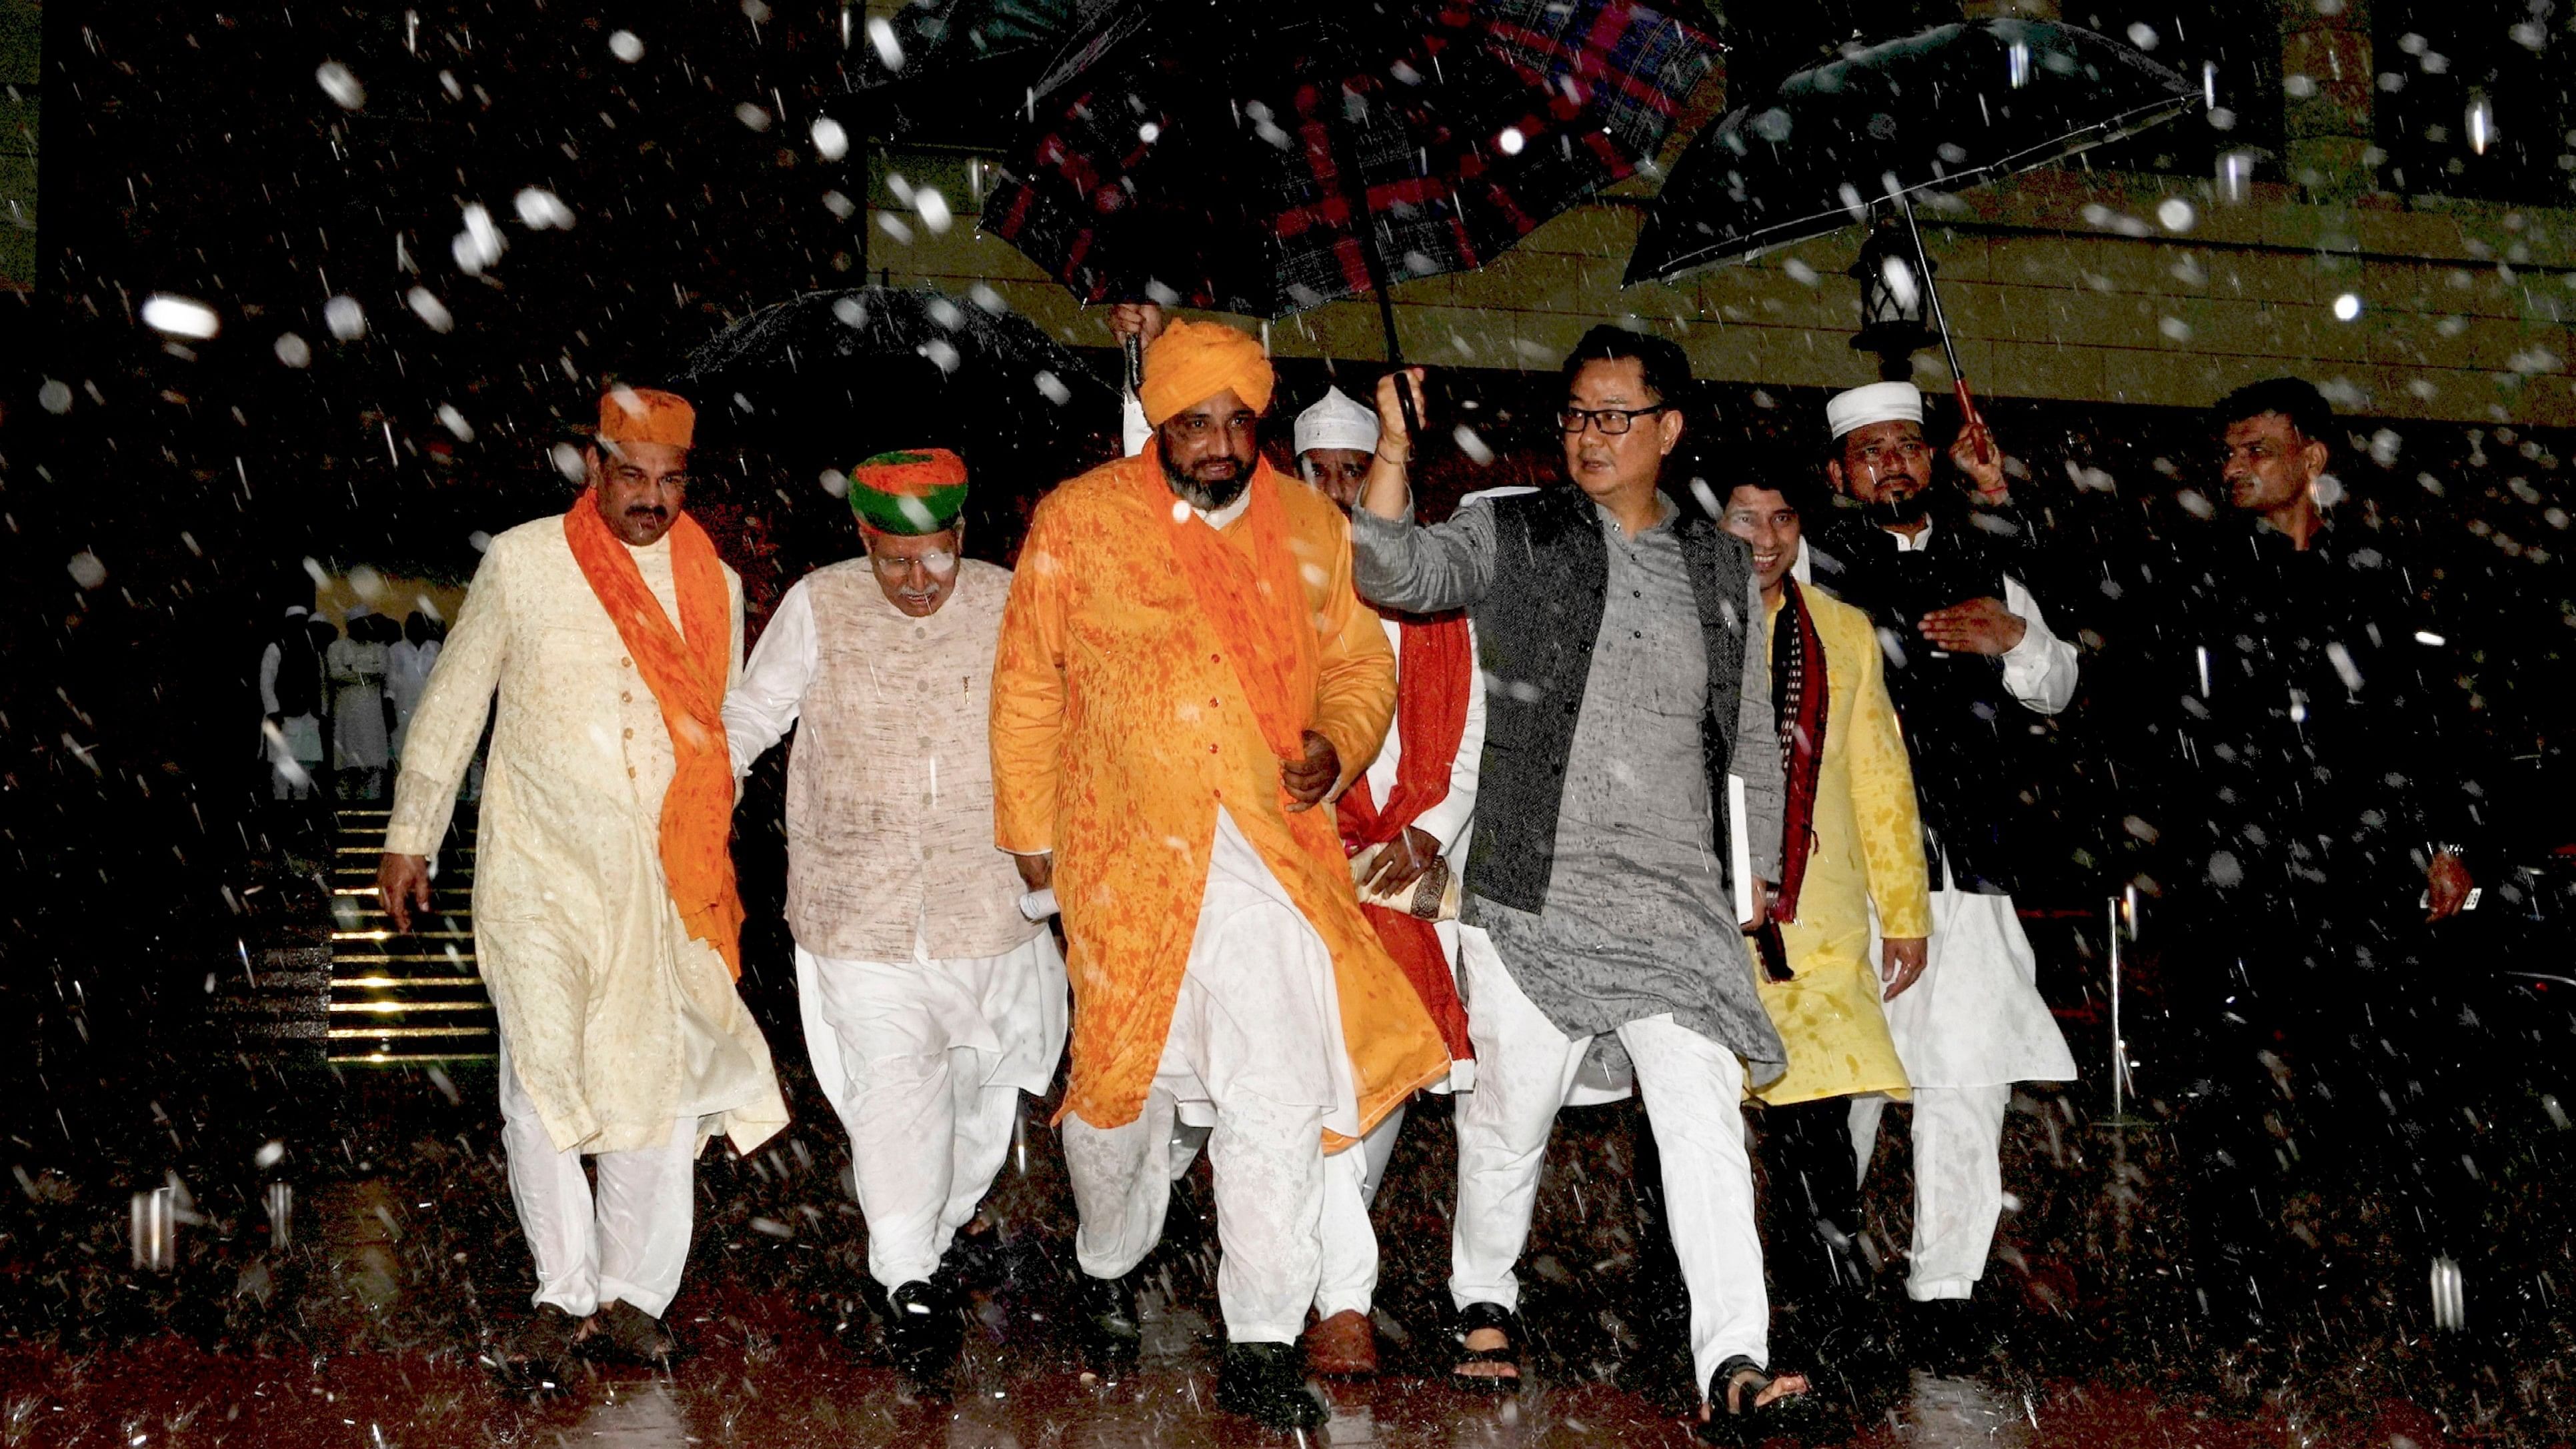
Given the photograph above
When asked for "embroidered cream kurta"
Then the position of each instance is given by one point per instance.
(1867, 850)
(617, 1022)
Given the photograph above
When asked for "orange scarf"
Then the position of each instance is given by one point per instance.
(1254, 601)
(686, 669)
(1431, 683)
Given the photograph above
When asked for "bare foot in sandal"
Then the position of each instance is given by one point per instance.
(1769, 1389)
(1487, 1340)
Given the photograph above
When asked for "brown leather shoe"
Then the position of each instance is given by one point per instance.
(1343, 1346)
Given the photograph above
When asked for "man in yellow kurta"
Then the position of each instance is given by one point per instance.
(1851, 840)
(605, 920)
(1184, 681)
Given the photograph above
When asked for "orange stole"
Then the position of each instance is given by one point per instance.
(1437, 669)
(685, 668)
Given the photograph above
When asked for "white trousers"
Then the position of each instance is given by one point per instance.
(1347, 1279)
(1958, 1181)
(1694, 1091)
(1256, 1040)
(924, 1063)
(629, 1241)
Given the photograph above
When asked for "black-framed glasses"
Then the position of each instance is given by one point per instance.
(1611, 421)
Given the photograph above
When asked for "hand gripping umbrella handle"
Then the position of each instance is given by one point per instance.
(1968, 415)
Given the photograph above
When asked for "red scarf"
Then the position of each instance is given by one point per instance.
(1255, 602)
(1798, 699)
(686, 669)
(1436, 669)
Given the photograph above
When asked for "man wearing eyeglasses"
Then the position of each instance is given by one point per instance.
(1973, 668)
(1613, 626)
(931, 1000)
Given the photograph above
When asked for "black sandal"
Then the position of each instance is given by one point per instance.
(1735, 1416)
(1475, 1318)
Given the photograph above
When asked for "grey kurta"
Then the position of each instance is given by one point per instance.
(1638, 920)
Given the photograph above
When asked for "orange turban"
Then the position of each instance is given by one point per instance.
(646, 415)
(1194, 361)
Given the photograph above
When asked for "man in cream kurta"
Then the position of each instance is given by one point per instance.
(622, 1038)
(930, 1000)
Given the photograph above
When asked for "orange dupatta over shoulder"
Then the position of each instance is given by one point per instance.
(686, 669)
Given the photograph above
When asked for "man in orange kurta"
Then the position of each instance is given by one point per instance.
(1185, 680)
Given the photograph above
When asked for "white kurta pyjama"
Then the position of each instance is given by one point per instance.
(622, 1033)
(1694, 1093)
(1973, 1024)
(1350, 1264)
(1255, 1045)
(929, 1003)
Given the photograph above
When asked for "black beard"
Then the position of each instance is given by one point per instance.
(1902, 514)
(1205, 497)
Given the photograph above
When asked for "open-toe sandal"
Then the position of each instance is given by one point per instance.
(1735, 1413)
(1478, 1317)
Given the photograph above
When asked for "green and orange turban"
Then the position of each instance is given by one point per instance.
(908, 493)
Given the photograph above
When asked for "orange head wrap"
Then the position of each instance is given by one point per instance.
(646, 415)
(1194, 361)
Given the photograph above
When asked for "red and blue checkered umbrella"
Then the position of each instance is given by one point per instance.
(1267, 158)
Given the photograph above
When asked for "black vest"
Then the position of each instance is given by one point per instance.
(1970, 740)
(1534, 633)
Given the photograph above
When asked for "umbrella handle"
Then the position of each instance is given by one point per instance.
(1969, 415)
(1134, 348)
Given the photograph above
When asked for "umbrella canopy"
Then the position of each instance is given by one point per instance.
(1939, 111)
(1266, 158)
(829, 378)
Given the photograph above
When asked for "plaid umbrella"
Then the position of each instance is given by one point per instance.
(1267, 158)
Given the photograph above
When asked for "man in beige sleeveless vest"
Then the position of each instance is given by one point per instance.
(931, 1001)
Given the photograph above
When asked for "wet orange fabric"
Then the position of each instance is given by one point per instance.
(1120, 726)
(685, 668)
(1194, 361)
(646, 415)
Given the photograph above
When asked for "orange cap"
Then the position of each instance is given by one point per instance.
(646, 415)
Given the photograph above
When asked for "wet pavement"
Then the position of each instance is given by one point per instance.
(360, 1329)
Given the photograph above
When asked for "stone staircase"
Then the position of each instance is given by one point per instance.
(398, 997)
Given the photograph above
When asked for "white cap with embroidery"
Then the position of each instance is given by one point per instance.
(1335, 421)
(1880, 402)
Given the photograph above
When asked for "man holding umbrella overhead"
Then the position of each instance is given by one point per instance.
(1614, 624)
(1184, 677)
(1972, 666)
(930, 1000)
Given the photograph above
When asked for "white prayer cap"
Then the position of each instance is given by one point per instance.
(1335, 421)
(297, 611)
(1880, 402)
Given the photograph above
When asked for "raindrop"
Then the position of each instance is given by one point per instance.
(2347, 307)
(988, 299)
(2175, 329)
(341, 85)
(933, 208)
(479, 245)
(850, 312)
(2481, 122)
(626, 45)
(945, 313)
(2017, 64)
(86, 570)
(567, 459)
(839, 205)
(294, 351)
(454, 421)
(894, 226)
(831, 139)
(540, 209)
(55, 397)
(1149, 133)
(269, 1155)
(1473, 446)
(346, 319)
(2176, 214)
(1772, 125)
(836, 482)
(429, 309)
(1511, 140)
(1799, 272)
(1054, 389)
(881, 35)
(180, 316)
(752, 116)
(942, 353)
(2143, 36)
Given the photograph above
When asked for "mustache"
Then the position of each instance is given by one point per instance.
(647, 510)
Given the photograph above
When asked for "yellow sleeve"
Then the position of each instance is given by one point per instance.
(1355, 670)
(1882, 785)
(1029, 692)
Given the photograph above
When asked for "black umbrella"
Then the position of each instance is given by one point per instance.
(1941, 111)
(1265, 158)
(967, 68)
(832, 377)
